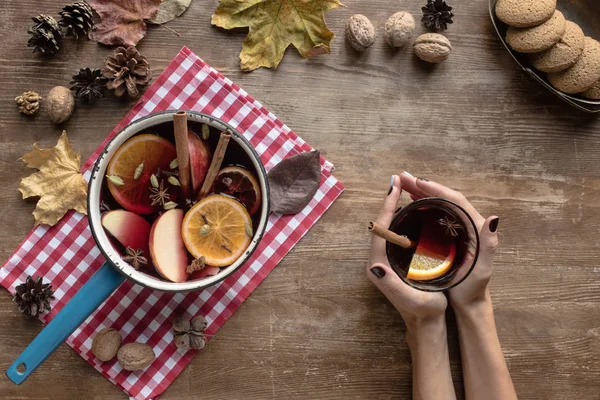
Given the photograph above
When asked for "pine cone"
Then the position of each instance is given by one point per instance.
(89, 84)
(127, 70)
(33, 297)
(77, 18)
(437, 15)
(29, 102)
(46, 36)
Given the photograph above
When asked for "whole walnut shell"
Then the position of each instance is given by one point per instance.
(106, 343)
(399, 28)
(432, 47)
(360, 32)
(135, 356)
(60, 104)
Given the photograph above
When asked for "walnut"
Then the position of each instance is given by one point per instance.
(432, 47)
(61, 103)
(399, 28)
(135, 356)
(28, 103)
(360, 32)
(106, 343)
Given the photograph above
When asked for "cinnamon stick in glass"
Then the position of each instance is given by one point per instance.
(180, 127)
(390, 236)
(215, 165)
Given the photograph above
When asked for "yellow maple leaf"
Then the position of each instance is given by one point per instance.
(274, 25)
(58, 183)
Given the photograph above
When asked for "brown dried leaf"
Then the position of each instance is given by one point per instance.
(37, 157)
(58, 183)
(122, 21)
(169, 10)
(294, 181)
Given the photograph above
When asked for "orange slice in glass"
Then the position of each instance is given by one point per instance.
(431, 260)
(217, 228)
(241, 184)
(155, 152)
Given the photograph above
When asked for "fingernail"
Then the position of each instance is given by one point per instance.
(494, 224)
(409, 174)
(392, 179)
(378, 272)
(423, 179)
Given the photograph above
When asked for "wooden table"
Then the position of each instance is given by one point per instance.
(316, 328)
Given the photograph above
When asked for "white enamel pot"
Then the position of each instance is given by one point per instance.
(115, 270)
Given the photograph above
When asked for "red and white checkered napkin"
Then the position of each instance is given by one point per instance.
(67, 256)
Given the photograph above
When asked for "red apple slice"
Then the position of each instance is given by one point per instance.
(167, 250)
(204, 272)
(200, 158)
(128, 228)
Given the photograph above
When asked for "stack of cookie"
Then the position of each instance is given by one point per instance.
(555, 46)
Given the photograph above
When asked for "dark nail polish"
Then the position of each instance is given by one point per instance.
(390, 191)
(378, 272)
(423, 179)
(494, 224)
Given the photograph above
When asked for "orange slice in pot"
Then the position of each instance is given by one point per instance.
(431, 260)
(155, 152)
(217, 228)
(241, 184)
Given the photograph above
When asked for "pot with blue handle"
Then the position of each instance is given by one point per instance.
(114, 271)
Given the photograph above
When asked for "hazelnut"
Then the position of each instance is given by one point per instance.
(106, 343)
(399, 28)
(60, 103)
(432, 47)
(135, 356)
(360, 32)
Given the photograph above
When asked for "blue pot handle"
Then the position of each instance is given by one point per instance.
(83, 303)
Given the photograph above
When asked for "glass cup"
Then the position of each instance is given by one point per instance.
(467, 242)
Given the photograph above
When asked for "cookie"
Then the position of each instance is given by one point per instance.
(563, 54)
(583, 74)
(525, 13)
(592, 93)
(538, 38)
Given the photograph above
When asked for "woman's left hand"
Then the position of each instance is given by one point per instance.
(417, 308)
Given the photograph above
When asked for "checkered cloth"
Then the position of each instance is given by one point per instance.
(66, 255)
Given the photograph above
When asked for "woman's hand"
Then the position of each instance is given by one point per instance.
(417, 308)
(475, 288)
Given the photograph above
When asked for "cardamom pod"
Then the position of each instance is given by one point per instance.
(138, 171)
(170, 205)
(174, 164)
(154, 181)
(204, 230)
(115, 180)
(249, 230)
(173, 181)
(205, 132)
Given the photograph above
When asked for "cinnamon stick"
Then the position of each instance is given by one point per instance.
(390, 236)
(215, 165)
(180, 127)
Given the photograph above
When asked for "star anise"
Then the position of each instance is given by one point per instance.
(196, 265)
(452, 227)
(135, 257)
(159, 195)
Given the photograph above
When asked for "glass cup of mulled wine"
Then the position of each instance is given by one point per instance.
(445, 244)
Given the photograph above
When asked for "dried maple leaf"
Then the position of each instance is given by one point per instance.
(122, 21)
(274, 25)
(58, 183)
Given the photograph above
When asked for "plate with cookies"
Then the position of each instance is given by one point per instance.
(557, 42)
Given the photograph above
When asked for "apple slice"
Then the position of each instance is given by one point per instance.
(167, 250)
(204, 272)
(128, 228)
(200, 158)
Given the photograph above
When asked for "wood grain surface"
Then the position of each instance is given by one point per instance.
(316, 328)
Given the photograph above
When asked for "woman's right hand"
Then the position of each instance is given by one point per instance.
(475, 288)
